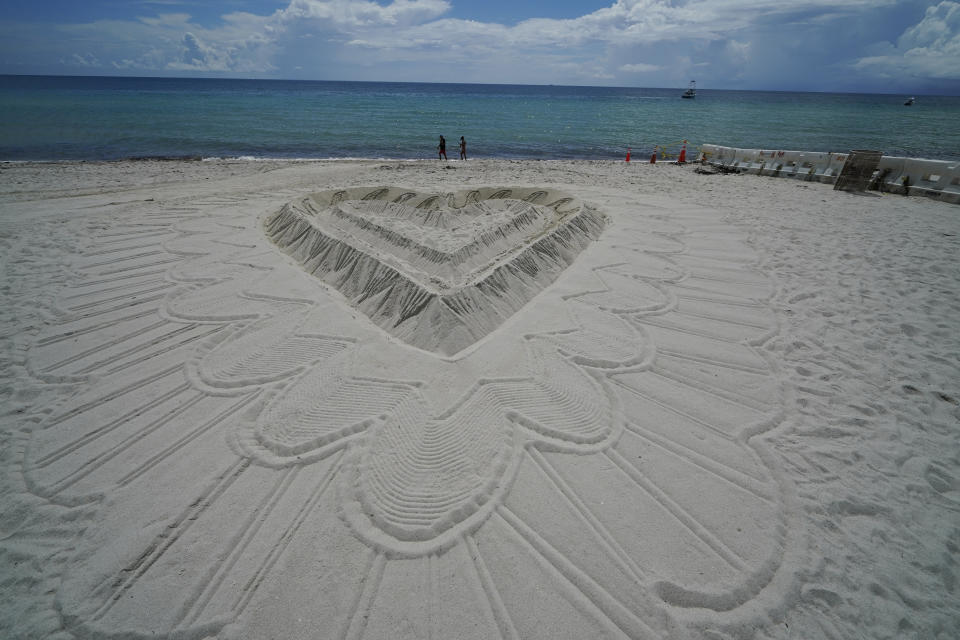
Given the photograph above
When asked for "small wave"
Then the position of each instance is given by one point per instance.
(308, 159)
(161, 158)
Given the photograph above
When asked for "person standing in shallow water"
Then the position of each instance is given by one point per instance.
(463, 148)
(442, 149)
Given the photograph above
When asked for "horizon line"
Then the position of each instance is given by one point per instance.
(490, 84)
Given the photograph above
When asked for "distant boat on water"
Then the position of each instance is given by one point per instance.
(691, 91)
(909, 102)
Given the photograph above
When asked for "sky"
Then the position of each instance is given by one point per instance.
(883, 46)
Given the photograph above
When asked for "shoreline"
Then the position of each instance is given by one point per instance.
(131, 173)
(639, 156)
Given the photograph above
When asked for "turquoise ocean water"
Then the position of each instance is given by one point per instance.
(88, 118)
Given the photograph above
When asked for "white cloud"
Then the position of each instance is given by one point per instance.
(150, 59)
(361, 14)
(928, 49)
(168, 42)
(196, 56)
(610, 36)
(639, 67)
(174, 20)
(87, 60)
(738, 51)
(661, 41)
(939, 29)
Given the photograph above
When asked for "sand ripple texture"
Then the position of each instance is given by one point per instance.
(220, 440)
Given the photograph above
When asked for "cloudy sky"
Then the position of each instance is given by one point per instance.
(891, 46)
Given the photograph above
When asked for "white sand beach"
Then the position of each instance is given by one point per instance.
(474, 400)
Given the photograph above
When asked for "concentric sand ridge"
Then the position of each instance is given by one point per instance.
(438, 271)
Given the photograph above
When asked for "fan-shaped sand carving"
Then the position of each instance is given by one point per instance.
(590, 472)
(437, 271)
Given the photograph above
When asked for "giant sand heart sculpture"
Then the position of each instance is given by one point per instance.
(438, 271)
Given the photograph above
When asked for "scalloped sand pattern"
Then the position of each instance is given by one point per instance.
(258, 460)
(439, 271)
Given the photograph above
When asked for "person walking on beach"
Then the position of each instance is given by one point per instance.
(463, 148)
(442, 149)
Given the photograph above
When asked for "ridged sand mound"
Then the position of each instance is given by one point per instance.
(438, 271)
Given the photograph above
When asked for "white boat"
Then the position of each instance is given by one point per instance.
(691, 91)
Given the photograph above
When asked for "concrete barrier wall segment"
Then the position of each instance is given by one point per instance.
(937, 179)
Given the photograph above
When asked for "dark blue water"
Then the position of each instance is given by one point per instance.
(92, 118)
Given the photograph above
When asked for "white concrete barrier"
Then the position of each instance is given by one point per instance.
(938, 179)
(756, 161)
(791, 164)
(785, 164)
(765, 162)
(806, 165)
(828, 166)
(951, 190)
(743, 159)
(709, 153)
(889, 174)
(932, 178)
(717, 155)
